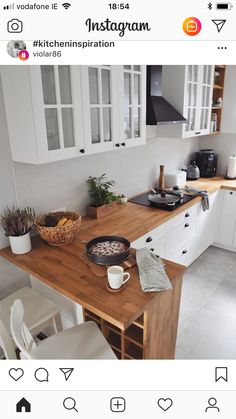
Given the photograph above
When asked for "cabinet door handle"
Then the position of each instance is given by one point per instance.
(186, 225)
(184, 251)
(123, 144)
(82, 150)
(198, 132)
(149, 239)
(187, 215)
(231, 193)
(117, 145)
(152, 249)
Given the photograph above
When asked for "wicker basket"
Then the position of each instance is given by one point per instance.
(59, 235)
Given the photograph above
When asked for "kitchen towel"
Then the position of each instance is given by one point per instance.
(152, 273)
(197, 192)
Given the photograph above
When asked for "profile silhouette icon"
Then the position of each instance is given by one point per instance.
(212, 405)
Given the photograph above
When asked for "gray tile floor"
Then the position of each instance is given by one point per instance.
(207, 325)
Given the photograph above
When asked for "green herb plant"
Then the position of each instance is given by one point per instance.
(99, 190)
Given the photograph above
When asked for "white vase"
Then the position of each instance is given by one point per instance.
(20, 244)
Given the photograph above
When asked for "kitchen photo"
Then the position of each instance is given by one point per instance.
(118, 212)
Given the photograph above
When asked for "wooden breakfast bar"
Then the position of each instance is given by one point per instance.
(137, 325)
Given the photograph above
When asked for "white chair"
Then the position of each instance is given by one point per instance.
(84, 341)
(39, 313)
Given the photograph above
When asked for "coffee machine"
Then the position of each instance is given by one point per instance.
(206, 160)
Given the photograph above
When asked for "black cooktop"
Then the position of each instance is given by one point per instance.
(143, 200)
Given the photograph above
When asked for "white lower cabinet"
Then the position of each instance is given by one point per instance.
(185, 236)
(226, 237)
(71, 312)
(154, 240)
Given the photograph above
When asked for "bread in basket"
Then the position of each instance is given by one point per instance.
(59, 234)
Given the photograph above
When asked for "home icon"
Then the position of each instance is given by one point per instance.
(23, 406)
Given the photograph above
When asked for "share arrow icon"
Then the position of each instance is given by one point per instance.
(219, 24)
(67, 372)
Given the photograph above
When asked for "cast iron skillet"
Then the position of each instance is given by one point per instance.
(105, 259)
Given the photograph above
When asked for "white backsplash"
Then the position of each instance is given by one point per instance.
(55, 185)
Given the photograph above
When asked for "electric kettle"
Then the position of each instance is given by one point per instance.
(193, 172)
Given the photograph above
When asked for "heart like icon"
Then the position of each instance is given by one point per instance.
(16, 373)
(165, 404)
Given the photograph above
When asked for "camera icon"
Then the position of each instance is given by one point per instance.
(15, 26)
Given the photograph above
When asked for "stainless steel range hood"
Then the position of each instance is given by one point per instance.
(159, 111)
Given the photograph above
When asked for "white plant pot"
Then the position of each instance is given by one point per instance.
(124, 200)
(20, 244)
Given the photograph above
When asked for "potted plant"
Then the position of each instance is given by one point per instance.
(17, 224)
(102, 199)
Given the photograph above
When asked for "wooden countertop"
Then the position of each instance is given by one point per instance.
(61, 269)
(132, 220)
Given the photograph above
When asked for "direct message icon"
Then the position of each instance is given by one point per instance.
(67, 372)
(221, 374)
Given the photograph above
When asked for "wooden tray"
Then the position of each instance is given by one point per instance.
(101, 271)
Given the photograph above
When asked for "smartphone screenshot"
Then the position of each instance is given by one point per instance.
(117, 209)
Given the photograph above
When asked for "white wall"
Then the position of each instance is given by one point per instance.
(55, 185)
(10, 277)
(224, 145)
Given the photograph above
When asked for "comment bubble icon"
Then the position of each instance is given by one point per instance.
(42, 375)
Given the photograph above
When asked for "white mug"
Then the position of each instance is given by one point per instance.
(116, 277)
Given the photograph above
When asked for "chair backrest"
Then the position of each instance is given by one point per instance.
(6, 342)
(20, 332)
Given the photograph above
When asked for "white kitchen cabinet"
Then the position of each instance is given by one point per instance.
(207, 223)
(155, 240)
(189, 89)
(181, 233)
(226, 237)
(44, 112)
(101, 107)
(115, 108)
(187, 235)
(59, 112)
(132, 91)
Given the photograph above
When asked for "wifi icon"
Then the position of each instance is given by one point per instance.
(66, 5)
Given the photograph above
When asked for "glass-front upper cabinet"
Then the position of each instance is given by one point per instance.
(132, 88)
(189, 88)
(44, 112)
(192, 97)
(206, 98)
(101, 112)
(198, 99)
(62, 108)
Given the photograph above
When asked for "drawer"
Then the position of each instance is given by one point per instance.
(184, 254)
(184, 216)
(181, 232)
(158, 246)
(147, 239)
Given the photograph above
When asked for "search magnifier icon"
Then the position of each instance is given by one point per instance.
(70, 404)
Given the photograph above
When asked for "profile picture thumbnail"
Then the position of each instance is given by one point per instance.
(15, 47)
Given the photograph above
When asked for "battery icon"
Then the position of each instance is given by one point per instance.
(224, 6)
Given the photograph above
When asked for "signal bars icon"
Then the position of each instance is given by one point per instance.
(9, 7)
